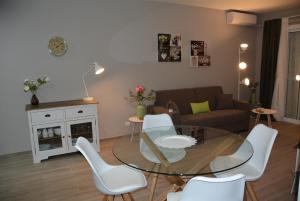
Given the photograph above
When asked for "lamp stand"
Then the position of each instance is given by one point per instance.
(297, 115)
(87, 98)
(239, 76)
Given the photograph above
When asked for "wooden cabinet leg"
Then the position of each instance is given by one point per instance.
(251, 192)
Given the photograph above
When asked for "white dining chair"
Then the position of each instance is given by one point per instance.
(164, 123)
(157, 120)
(262, 139)
(166, 127)
(110, 180)
(211, 189)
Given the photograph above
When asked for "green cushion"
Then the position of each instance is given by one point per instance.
(200, 107)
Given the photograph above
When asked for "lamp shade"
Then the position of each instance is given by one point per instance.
(98, 69)
(246, 81)
(244, 46)
(297, 78)
(242, 65)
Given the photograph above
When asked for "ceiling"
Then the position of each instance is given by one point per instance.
(256, 6)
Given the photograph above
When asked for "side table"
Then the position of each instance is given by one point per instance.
(134, 121)
(261, 111)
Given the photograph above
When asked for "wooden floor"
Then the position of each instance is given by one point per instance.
(68, 177)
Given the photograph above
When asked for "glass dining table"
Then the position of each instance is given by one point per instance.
(180, 152)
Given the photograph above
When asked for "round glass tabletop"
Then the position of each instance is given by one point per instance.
(183, 150)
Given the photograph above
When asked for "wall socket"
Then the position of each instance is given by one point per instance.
(127, 123)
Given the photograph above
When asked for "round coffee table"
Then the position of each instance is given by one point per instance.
(260, 111)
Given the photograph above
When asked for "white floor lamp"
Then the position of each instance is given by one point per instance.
(97, 70)
(242, 65)
(298, 80)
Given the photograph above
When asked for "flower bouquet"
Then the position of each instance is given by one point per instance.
(33, 86)
(139, 98)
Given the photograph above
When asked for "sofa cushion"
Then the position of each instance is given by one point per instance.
(224, 101)
(208, 94)
(215, 118)
(200, 107)
(182, 98)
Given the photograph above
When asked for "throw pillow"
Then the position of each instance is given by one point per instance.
(200, 107)
(225, 101)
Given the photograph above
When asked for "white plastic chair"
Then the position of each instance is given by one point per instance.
(157, 120)
(110, 180)
(163, 121)
(211, 189)
(262, 139)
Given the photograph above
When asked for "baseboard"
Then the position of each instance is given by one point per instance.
(289, 120)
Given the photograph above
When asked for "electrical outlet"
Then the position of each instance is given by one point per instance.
(127, 123)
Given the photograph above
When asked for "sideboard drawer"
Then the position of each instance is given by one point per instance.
(80, 112)
(47, 116)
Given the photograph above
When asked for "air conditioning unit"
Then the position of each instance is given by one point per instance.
(238, 18)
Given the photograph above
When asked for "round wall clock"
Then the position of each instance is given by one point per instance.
(57, 46)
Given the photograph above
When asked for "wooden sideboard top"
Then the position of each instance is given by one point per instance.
(59, 104)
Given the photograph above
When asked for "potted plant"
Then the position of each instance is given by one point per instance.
(139, 98)
(33, 86)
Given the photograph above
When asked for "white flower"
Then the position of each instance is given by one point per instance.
(26, 80)
(47, 79)
(26, 88)
(34, 83)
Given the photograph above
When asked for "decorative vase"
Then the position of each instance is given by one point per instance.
(34, 100)
(140, 111)
(253, 99)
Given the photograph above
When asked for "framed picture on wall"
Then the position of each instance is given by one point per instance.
(199, 57)
(197, 48)
(169, 47)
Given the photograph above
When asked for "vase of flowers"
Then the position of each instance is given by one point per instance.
(253, 87)
(33, 86)
(139, 98)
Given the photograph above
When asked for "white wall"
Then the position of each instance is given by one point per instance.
(122, 35)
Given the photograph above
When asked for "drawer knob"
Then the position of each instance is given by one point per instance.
(80, 111)
(47, 115)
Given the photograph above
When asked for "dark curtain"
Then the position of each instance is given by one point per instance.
(270, 48)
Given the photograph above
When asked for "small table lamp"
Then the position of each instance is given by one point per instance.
(97, 70)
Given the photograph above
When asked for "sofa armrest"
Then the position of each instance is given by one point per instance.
(242, 105)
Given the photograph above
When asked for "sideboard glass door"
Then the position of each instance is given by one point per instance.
(81, 128)
(49, 139)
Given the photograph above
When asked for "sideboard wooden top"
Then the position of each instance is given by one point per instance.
(59, 104)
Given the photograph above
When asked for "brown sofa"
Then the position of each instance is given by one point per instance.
(225, 113)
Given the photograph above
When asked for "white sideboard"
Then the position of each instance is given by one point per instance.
(55, 126)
